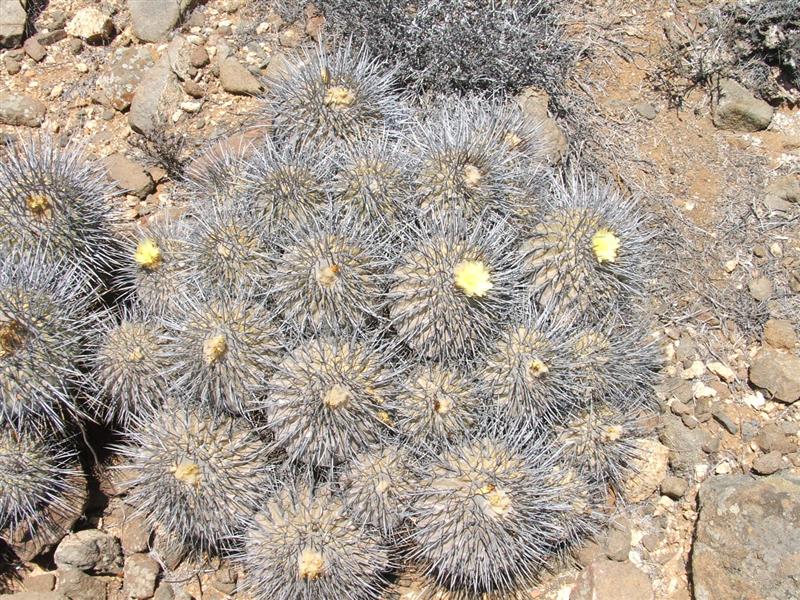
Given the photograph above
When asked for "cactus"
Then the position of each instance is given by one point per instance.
(220, 350)
(589, 251)
(45, 318)
(196, 474)
(331, 398)
(303, 545)
(343, 95)
(436, 405)
(39, 481)
(330, 274)
(127, 371)
(453, 286)
(486, 512)
(59, 205)
(374, 487)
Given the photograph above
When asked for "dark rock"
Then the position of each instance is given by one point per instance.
(48, 38)
(723, 419)
(90, 550)
(77, 585)
(152, 20)
(18, 110)
(738, 110)
(747, 539)
(92, 26)
(129, 176)
(674, 487)
(611, 580)
(780, 334)
(34, 49)
(778, 373)
(13, 17)
(141, 574)
(122, 74)
(767, 464)
(235, 79)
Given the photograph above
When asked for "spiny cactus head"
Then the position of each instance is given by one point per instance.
(127, 370)
(221, 349)
(195, 474)
(330, 273)
(304, 545)
(453, 286)
(341, 95)
(61, 206)
(437, 405)
(331, 398)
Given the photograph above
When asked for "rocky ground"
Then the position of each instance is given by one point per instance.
(715, 512)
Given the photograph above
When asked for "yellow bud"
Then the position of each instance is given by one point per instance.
(339, 97)
(337, 396)
(214, 348)
(442, 405)
(328, 275)
(605, 246)
(148, 254)
(310, 564)
(537, 368)
(473, 278)
(10, 338)
(498, 500)
(472, 176)
(188, 472)
(38, 204)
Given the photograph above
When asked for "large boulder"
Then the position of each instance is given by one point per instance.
(13, 16)
(153, 19)
(747, 541)
(738, 110)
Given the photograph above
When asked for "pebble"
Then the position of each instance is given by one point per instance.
(645, 110)
(194, 89)
(767, 464)
(12, 66)
(141, 574)
(91, 25)
(679, 408)
(723, 468)
(760, 288)
(738, 110)
(90, 550)
(651, 463)
(129, 176)
(236, 79)
(34, 49)
(701, 390)
(199, 58)
(724, 372)
(17, 109)
(723, 419)
(152, 20)
(780, 334)
(755, 400)
(674, 487)
(191, 107)
(696, 370)
(778, 373)
(618, 540)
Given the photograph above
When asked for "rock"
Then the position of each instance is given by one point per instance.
(610, 580)
(13, 17)
(724, 372)
(129, 176)
(685, 445)
(153, 19)
(18, 110)
(747, 539)
(760, 288)
(723, 419)
(122, 74)
(194, 89)
(141, 573)
(772, 437)
(198, 58)
(618, 541)
(738, 110)
(34, 596)
(784, 189)
(156, 97)
(77, 585)
(701, 391)
(91, 25)
(236, 79)
(780, 334)
(674, 487)
(46, 582)
(534, 102)
(34, 49)
(650, 467)
(767, 464)
(278, 67)
(778, 373)
(164, 592)
(48, 38)
(12, 66)
(90, 550)
(679, 408)
(645, 110)
(135, 536)
(225, 580)
(694, 371)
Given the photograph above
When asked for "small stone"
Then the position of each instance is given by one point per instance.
(18, 110)
(315, 26)
(756, 400)
(82, 68)
(141, 573)
(46, 582)
(90, 550)
(34, 49)
(701, 390)
(649, 468)
(152, 20)
(785, 189)
(618, 541)
(772, 438)
(780, 334)
(690, 421)
(194, 89)
(91, 25)
(738, 110)
(760, 288)
(651, 541)
(767, 464)
(129, 176)
(12, 66)
(611, 580)
(730, 266)
(156, 96)
(588, 552)
(13, 19)
(191, 107)
(711, 445)
(74, 45)
(645, 110)
(723, 468)
(674, 487)
(135, 536)
(164, 592)
(724, 372)
(291, 37)
(77, 585)
(534, 103)
(236, 79)
(679, 408)
(199, 57)
(778, 373)
(696, 370)
(723, 419)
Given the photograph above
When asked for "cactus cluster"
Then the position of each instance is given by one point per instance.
(377, 344)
